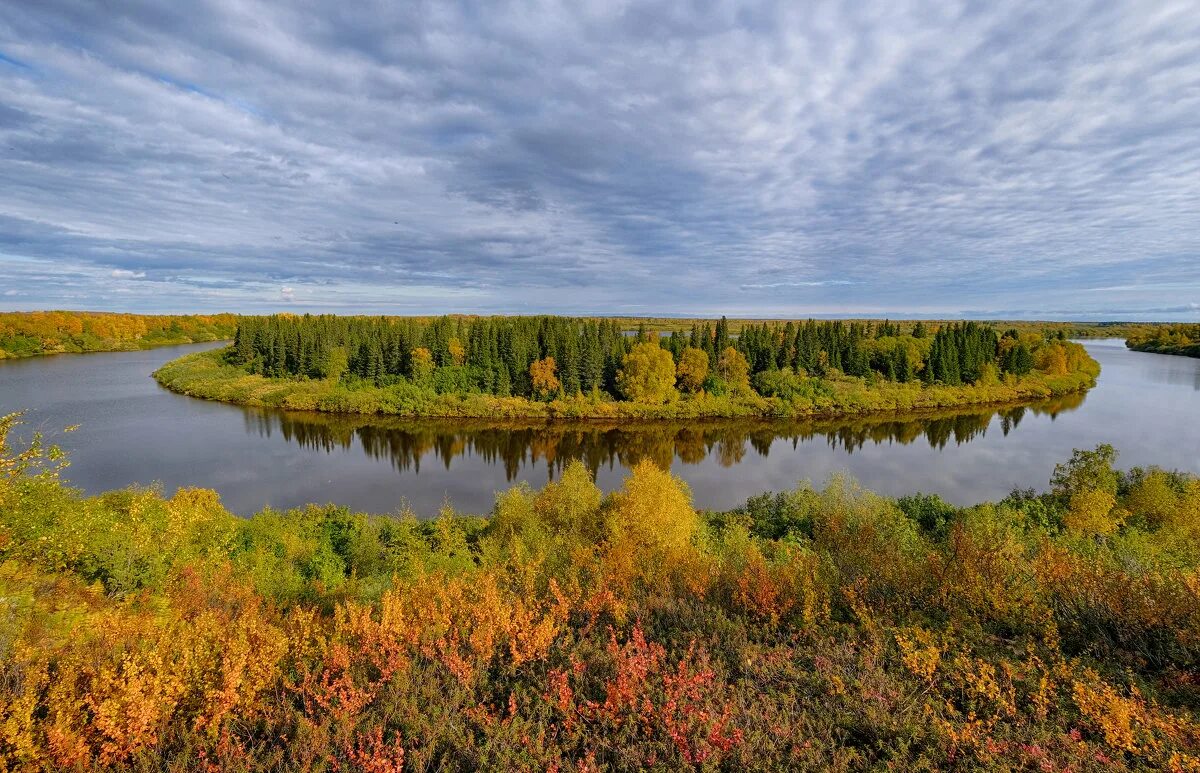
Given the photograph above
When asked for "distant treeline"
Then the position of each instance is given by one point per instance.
(30, 333)
(543, 357)
(1071, 329)
(1168, 339)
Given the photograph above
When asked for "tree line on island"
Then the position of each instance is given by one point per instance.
(1181, 339)
(546, 357)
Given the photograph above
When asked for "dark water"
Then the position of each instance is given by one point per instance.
(132, 430)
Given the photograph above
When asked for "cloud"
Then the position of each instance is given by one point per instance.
(287, 294)
(11, 293)
(815, 283)
(781, 159)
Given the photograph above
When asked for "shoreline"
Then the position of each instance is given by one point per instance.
(4, 355)
(1192, 351)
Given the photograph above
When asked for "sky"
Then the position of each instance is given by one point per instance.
(877, 157)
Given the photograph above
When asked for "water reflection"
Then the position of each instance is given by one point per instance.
(516, 445)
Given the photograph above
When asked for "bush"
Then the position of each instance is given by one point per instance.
(822, 627)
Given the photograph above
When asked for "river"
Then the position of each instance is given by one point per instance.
(133, 431)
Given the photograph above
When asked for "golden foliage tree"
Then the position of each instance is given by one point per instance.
(652, 514)
(692, 369)
(1053, 360)
(422, 364)
(458, 352)
(1093, 513)
(734, 370)
(543, 374)
(570, 505)
(1153, 499)
(647, 375)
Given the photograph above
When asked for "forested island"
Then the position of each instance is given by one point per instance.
(822, 627)
(557, 367)
(1167, 339)
(32, 333)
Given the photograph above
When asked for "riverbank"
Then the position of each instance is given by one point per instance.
(37, 333)
(1154, 347)
(1182, 340)
(206, 375)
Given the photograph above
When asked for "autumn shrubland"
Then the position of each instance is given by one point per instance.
(823, 627)
(27, 334)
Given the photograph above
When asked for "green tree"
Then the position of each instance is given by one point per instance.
(734, 370)
(1087, 471)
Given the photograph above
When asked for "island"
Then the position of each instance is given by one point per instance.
(580, 368)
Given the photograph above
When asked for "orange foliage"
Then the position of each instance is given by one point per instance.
(645, 694)
(44, 332)
(542, 373)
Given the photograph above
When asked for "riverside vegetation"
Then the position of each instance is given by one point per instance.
(31, 333)
(818, 628)
(554, 367)
(1167, 339)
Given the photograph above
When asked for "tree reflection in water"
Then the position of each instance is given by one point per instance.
(514, 444)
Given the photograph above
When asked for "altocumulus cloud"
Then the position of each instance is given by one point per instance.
(776, 158)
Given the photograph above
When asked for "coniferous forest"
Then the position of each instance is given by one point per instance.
(458, 366)
(496, 356)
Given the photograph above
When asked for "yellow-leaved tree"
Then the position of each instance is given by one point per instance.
(647, 375)
(734, 370)
(651, 523)
(571, 504)
(1093, 513)
(422, 365)
(543, 375)
(1053, 360)
(458, 352)
(1153, 499)
(692, 369)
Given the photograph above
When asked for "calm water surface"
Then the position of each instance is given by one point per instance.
(133, 431)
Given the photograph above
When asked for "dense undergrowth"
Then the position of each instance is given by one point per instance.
(207, 375)
(820, 628)
(32, 333)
